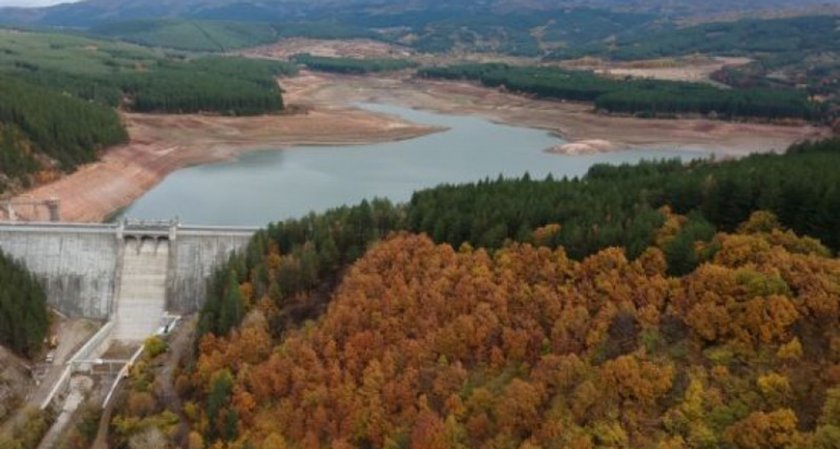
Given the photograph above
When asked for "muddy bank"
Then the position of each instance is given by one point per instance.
(592, 146)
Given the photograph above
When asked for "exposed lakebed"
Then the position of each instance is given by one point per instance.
(264, 186)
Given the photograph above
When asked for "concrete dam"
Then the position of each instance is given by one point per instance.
(136, 277)
(129, 272)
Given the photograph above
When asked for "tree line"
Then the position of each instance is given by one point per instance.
(612, 206)
(24, 320)
(225, 85)
(353, 66)
(618, 205)
(636, 96)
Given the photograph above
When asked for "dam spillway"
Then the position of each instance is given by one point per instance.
(128, 272)
(141, 298)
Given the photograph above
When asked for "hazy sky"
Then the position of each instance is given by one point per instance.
(31, 2)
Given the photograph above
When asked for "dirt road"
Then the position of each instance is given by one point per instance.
(71, 335)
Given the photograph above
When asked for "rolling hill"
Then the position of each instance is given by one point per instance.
(89, 12)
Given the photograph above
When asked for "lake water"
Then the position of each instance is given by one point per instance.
(265, 186)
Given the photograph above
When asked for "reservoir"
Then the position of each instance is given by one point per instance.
(265, 186)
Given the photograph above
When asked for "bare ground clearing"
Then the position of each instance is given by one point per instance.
(367, 49)
(691, 68)
(349, 48)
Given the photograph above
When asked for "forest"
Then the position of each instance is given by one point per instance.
(465, 26)
(353, 66)
(58, 94)
(226, 85)
(612, 206)
(785, 52)
(189, 35)
(810, 34)
(324, 30)
(142, 79)
(37, 122)
(687, 308)
(436, 30)
(24, 320)
(426, 346)
(642, 97)
(617, 206)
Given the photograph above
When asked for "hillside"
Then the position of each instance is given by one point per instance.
(787, 52)
(791, 46)
(426, 347)
(521, 27)
(654, 305)
(121, 74)
(87, 12)
(14, 379)
(609, 207)
(43, 131)
(192, 35)
(59, 93)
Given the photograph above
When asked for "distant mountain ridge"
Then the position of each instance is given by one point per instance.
(90, 12)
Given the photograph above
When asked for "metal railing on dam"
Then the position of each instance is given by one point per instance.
(80, 265)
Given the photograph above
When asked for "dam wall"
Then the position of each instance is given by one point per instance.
(197, 252)
(81, 265)
(77, 264)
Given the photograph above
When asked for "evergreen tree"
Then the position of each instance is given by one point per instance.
(24, 320)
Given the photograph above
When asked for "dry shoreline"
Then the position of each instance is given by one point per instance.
(161, 144)
(572, 121)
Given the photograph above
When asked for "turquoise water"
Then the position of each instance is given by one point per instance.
(264, 186)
